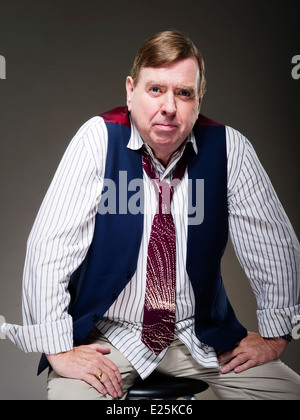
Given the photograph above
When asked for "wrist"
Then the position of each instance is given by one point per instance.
(286, 337)
(54, 356)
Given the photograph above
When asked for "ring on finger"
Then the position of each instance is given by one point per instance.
(99, 376)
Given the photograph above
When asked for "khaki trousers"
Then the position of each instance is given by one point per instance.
(271, 381)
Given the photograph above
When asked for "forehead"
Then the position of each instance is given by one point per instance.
(182, 72)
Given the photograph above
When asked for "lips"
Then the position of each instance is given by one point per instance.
(166, 127)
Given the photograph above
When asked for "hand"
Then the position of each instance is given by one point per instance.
(253, 350)
(85, 363)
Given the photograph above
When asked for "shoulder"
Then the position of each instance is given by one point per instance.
(118, 116)
(93, 127)
(90, 141)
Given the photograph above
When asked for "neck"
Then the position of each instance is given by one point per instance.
(164, 159)
(165, 156)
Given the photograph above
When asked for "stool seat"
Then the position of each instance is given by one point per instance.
(164, 386)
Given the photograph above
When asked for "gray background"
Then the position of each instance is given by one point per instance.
(68, 60)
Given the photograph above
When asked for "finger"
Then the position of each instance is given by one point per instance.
(102, 350)
(228, 355)
(97, 363)
(235, 363)
(111, 377)
(95, 383)
(112, 385)
(241, 368)
(106, 383)
(112, 369)
(117, 382)
(99, 348)
(103, 385)
(225, 357)
(94, 358)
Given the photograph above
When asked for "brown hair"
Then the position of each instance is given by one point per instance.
(164, 48)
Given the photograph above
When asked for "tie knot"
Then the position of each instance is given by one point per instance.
(164, 191)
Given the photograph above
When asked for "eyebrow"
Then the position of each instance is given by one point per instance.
(190, 89)
(153, 83)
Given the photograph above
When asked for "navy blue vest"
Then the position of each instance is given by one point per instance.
(112, 258)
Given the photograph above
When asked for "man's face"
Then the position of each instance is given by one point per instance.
(165, 104)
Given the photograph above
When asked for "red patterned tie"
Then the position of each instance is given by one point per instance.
(160, 297)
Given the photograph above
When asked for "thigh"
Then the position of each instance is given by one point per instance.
(60, 388)
(271, 381)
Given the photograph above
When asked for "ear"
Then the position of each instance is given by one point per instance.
(129, 90)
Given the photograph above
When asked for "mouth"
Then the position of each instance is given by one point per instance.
(166, 127)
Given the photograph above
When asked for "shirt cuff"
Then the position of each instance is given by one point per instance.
(277, 322)
(50, 338)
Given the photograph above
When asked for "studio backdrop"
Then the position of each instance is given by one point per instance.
(62, 62)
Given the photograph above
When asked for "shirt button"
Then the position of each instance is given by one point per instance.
(113, 297)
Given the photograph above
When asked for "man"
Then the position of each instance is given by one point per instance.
(122, 274)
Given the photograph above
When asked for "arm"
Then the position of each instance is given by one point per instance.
(57, 245)
(266, 247)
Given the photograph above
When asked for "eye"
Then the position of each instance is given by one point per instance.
(155, 89)
(185, 93)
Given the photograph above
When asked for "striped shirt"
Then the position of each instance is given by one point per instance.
(261, 233)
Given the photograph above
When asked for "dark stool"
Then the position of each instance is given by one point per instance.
(163, 386)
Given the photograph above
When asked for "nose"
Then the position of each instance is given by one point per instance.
(169, 104)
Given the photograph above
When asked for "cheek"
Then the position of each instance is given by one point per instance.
(143, 111)
(190, 116)
(141, 117)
